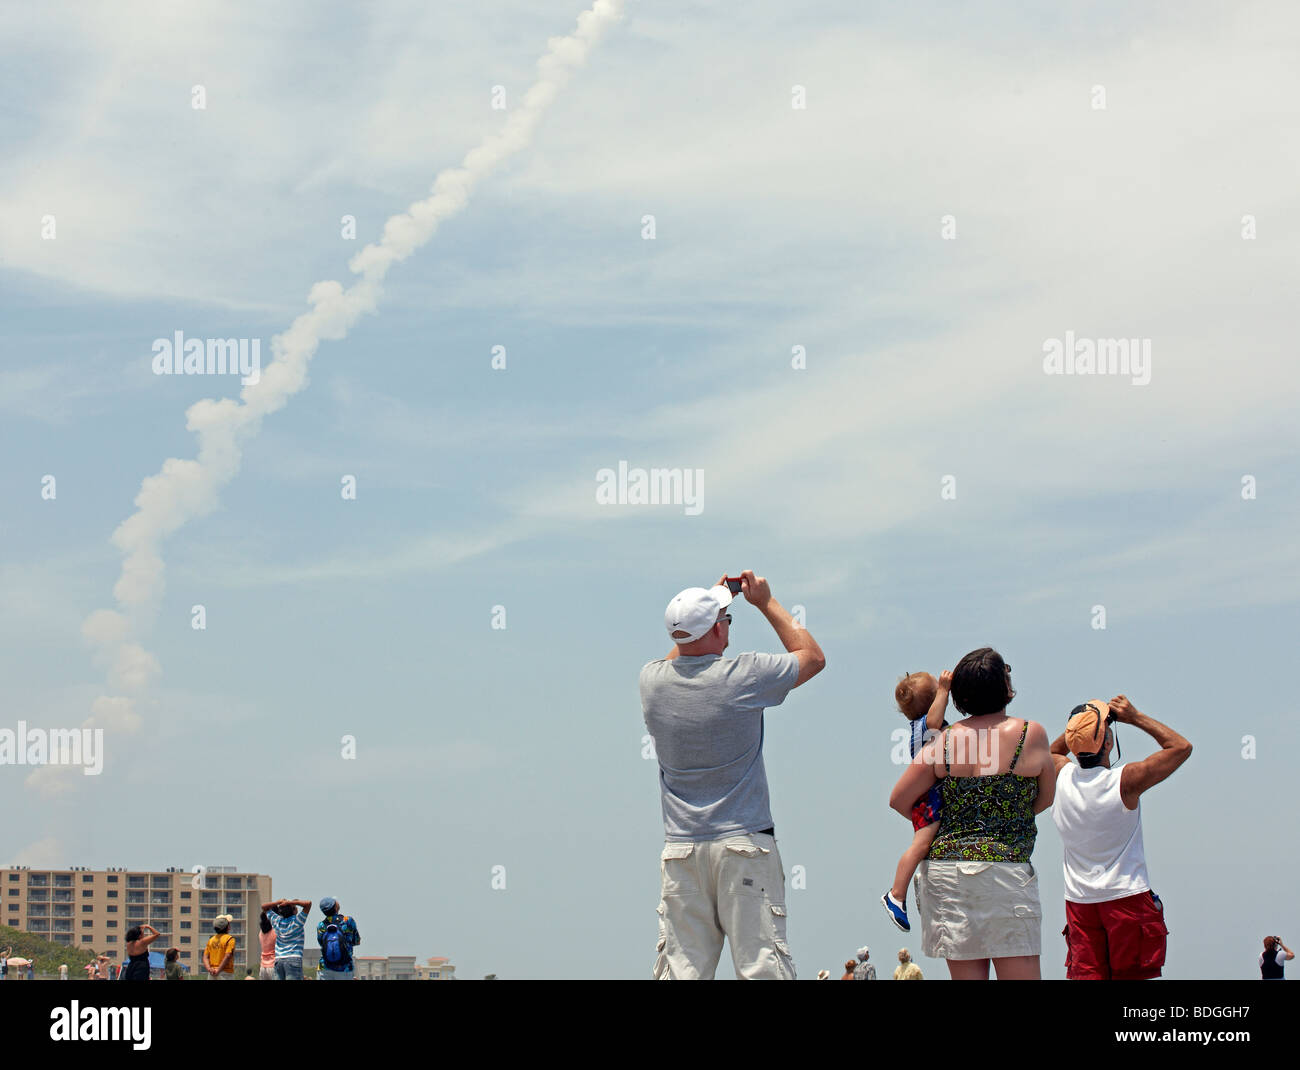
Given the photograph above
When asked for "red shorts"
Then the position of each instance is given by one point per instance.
(1121, 940)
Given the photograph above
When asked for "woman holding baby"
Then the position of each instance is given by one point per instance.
(977, 889)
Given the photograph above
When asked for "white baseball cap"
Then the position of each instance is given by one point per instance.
(692, 613)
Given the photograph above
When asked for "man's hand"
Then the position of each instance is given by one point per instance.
(1123, 709)
(755, 589)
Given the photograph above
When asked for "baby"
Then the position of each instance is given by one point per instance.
(922, 701)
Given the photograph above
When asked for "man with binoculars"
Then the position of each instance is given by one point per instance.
(1115, 927)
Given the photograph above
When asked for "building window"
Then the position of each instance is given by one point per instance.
(87, 893)
(111, 909)
(187, 925)
(112, 895)
(186, 910)
(13, 876)
(110, 925)
(88, 908)
(185, 895)
(86, 924)
(13, 908)
(185, 940)
(112, 878)
(87, 878)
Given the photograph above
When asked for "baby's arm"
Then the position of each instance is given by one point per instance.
(934, 719)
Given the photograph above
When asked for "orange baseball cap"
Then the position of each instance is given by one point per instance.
(1085, 731)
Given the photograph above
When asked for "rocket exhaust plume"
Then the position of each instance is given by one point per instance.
(186, 489)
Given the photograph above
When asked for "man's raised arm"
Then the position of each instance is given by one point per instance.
(798, 641)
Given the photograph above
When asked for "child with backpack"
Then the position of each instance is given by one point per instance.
(337, 935)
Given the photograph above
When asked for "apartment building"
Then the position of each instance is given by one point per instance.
(93, 909)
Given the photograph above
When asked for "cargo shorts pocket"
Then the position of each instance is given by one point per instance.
(1151, 946)
(747, 871)
(677, 869)
(776, 914)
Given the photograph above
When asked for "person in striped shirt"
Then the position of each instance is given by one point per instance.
(289, 926)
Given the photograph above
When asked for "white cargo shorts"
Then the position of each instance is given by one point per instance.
(732, 888)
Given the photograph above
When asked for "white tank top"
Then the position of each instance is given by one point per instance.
(1104, 859)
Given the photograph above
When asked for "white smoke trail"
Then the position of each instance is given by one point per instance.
(186, 489)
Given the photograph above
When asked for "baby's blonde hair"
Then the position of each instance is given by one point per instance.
(914, 693)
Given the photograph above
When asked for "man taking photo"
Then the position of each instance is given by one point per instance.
(1272, 962)
(720, 869)
(1115, 926)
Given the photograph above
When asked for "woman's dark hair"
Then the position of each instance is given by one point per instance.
(134, 933)
(981, 683)
(264, 922)
(173, 953)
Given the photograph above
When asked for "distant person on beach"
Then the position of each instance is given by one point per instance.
(1272, 962)
(863, 970)
(4, 962)
(907, 970)
(63, 971)
(289, 928)
(848, 970)
(266, 937)
(977, 890)
(1115, 927)
(219, 955)
(922, 700)
(102, 966)
(137, 950)
(337, 935)
(172, 965)
(720, 869)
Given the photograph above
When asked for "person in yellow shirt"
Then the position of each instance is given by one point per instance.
(219, 955)
(907, 969)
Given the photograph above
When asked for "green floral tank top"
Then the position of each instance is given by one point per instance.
(986, 818)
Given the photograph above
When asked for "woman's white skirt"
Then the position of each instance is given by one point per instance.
(979, 910)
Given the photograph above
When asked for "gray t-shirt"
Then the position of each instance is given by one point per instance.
(706, 716)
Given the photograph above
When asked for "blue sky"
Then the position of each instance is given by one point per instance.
(775, 227)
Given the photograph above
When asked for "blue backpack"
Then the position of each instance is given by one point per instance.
(336, 951)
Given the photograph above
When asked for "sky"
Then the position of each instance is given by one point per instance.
(815, 256)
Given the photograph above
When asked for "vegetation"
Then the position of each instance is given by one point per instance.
(46, 955)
